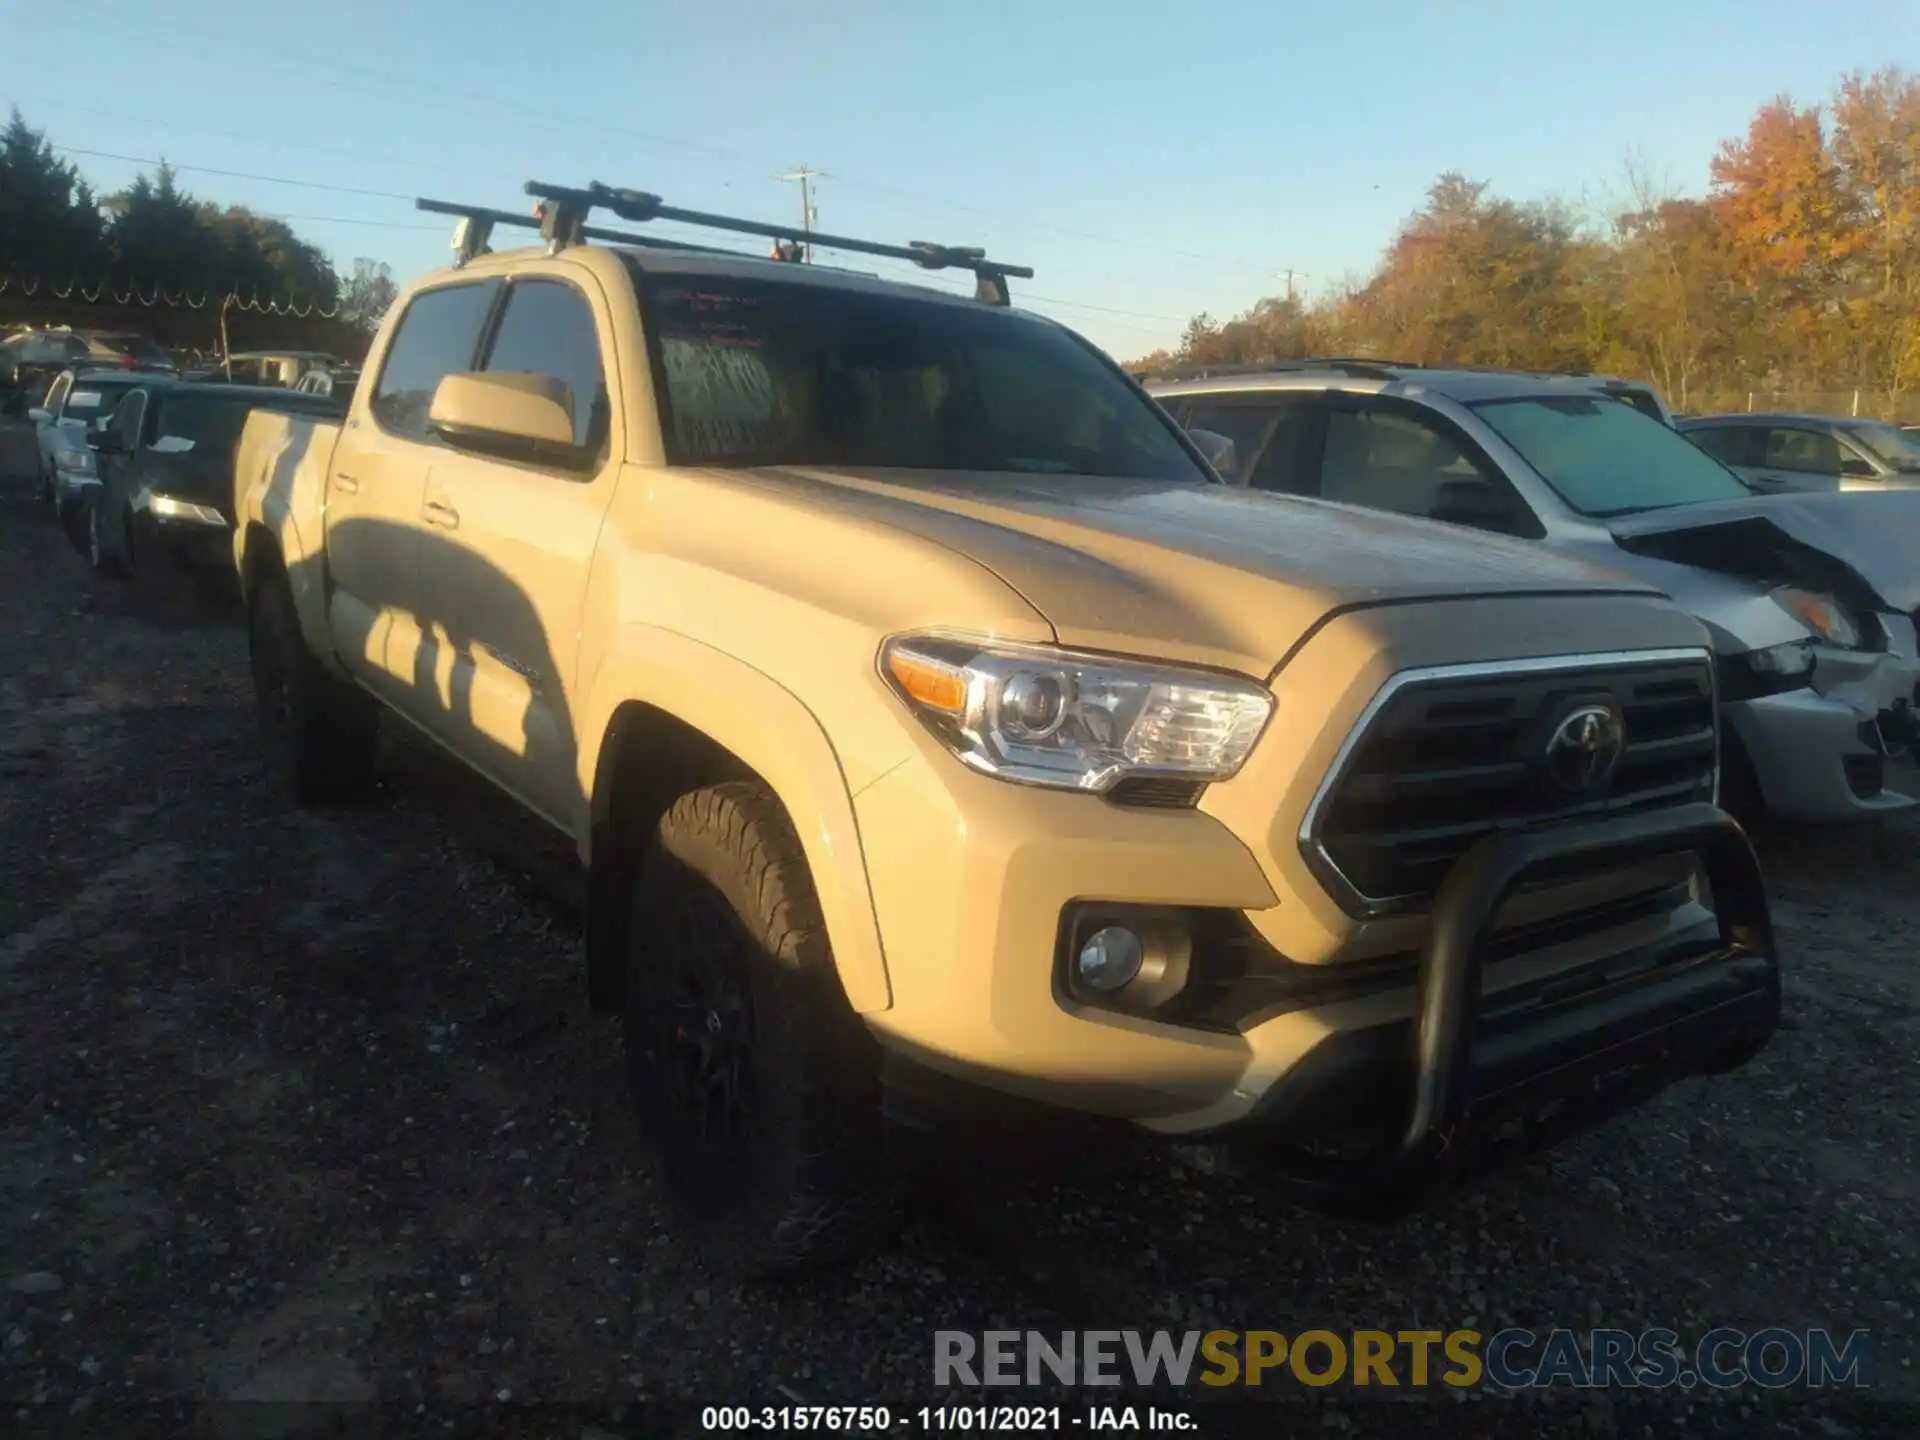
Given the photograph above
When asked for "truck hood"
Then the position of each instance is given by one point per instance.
(1209, 573)
(1861, 545)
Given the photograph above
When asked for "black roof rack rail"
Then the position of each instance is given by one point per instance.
(1358, 366)
(565, 210)
(473, 237)
(1363, 366)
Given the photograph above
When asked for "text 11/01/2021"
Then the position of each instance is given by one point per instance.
(881, 1420)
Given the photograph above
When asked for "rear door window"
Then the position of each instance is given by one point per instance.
(1805, 452)
(1246, 424)
(1272, 437)
(438, 336)
(1389, 459)
(1729, 444)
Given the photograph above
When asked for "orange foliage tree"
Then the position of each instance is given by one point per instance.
(1798, 270)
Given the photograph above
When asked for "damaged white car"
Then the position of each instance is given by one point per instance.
(1811, 598)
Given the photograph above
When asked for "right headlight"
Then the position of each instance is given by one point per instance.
(1043, 715)
(1822, 614)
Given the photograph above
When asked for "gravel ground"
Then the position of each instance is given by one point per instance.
(309, 1108)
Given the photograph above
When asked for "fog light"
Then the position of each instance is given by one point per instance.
(1110, 958)
(1793, 658)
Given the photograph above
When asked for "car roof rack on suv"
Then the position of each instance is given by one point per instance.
(1356, 365)
(562, 214)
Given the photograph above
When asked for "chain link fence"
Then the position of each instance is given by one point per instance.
(1867, 404)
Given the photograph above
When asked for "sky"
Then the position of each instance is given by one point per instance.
(1149, 161)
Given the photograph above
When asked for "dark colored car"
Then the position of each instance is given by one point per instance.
(164, 497)
(29, 359)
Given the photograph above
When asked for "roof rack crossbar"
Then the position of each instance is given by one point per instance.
(472, 239)
(566, 209)
(1358, 366)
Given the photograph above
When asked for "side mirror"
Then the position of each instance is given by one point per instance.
(1218, 450)
(508, 414)
(1853, 465)
(40, 415)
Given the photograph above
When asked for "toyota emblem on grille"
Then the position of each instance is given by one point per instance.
(1585, 748)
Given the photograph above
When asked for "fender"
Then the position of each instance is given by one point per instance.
(279, 480)
(766, 727)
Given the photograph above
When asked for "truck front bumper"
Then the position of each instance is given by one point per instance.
(1482, 1079)
(1371, 1120)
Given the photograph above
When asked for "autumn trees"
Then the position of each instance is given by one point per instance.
(1798, 271)
(154, 236)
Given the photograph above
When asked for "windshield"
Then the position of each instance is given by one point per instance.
(771, 373)
(1889, 442)
(1604, 457)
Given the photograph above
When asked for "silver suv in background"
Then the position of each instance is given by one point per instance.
(1811, 599)
(1774, 453)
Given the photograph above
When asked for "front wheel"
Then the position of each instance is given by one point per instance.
(752, 1079)
(322, 735)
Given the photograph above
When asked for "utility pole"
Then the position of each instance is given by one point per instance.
(1288, 275)
(805, 176)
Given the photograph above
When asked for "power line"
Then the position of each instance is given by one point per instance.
(404, 87)
(408, 199)
(277, 141)
(235, 174)
(345, 220)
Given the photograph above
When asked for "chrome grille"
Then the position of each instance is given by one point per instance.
(1442, 758)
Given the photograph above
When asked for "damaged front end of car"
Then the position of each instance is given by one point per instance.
(1818, 657)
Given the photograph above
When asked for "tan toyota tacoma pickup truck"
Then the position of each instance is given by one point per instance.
(942, 737)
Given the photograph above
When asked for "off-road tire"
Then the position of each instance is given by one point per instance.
(731, 994)
(322, 735)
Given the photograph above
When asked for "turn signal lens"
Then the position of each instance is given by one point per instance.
(1822, 614)
(928, 682)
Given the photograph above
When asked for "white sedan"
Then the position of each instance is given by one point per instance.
(76, 402)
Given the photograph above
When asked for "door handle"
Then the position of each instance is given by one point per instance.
(346, 484)
(438, 512)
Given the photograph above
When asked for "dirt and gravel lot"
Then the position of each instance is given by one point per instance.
(308, 1107)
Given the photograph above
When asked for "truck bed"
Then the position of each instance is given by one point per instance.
(280, 472)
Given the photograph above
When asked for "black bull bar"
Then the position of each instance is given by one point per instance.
(1702, 1015)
